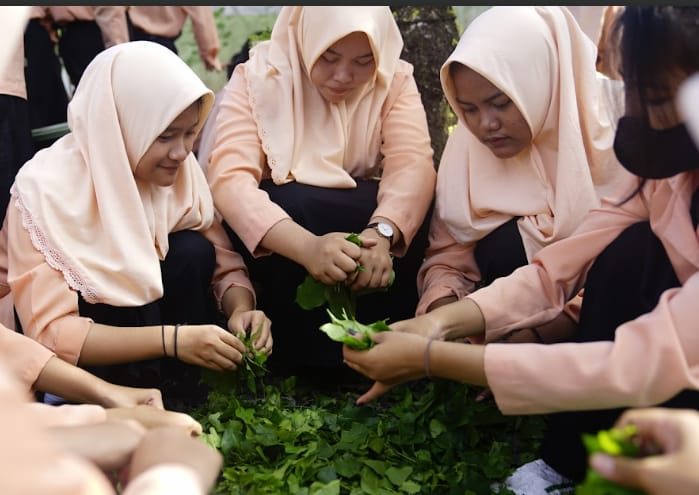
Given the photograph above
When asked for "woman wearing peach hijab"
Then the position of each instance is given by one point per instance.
(531, 152)
(322, 133)
(637, 257)
(113, 243)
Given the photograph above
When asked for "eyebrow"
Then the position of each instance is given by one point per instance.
(487, 100)
(370, 54)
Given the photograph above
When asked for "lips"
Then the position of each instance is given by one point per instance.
(495, 141)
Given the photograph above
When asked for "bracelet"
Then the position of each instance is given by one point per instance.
(162, 338)
(426, 358)
(177, 326)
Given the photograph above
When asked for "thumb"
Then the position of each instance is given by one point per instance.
(376, 391)
(621, 470)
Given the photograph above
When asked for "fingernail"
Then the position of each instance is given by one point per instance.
(603, 464)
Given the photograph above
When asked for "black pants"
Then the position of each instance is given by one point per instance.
(79, 43)
(138, 34)
(500, 252)
(16, 146)
(298, 342)
(186, 273)
(46, 94)
(625, 281)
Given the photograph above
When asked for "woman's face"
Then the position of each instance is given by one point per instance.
(161, 162)
(347, 65)
(490, 114)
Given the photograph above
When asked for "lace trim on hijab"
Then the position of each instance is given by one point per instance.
(54, 258)
(262, 132)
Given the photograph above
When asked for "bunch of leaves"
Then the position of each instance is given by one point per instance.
(341, 302)
(616, 442)
(349, 331)
(424, 438)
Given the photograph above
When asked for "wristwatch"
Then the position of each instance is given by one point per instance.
(384, 230)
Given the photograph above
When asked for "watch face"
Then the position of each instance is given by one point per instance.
(385, 229)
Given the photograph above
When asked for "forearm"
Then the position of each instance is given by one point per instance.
(459, 319)
(288, 239)
(237, 299)
(71, 382)
(464, 363)
(106, 344)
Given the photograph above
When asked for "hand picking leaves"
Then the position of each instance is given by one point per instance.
(349, 331)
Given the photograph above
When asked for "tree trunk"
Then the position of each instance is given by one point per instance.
(430, 35)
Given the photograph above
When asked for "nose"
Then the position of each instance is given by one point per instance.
(179, 150)
(343, 74)
(489, 121)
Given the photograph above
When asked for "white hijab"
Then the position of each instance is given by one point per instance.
(306, 138)
(79, 199)
(541, 59)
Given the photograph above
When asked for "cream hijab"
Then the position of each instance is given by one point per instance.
(304, 137)
(79, 199)
(544, 62)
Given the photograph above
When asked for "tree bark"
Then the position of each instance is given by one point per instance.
(430, 34)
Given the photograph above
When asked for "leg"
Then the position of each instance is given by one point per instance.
(79, 43)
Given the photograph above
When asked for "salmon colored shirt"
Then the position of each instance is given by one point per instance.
(12, 78)
(48, 307)
(652, 357)
(168, 20)
(408, 176)
(110, 19)
(24, 357)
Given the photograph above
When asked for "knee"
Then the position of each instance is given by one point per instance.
(190, 250)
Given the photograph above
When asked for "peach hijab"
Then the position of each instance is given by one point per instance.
(542, 60)
(304, 137)
(79, 200)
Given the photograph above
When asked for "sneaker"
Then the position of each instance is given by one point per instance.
(538, 478)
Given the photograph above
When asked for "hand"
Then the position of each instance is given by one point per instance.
(394, 359)
(170, 446)
(214, 65)
(255, 320)
(120, 396)
(331, 258)
(150, 417)
(375, 260)
(209, 346)
(108, 444)
(676, 433)
(425, 325)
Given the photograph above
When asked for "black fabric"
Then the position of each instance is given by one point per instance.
(16, 146)
(299, 346)
(500, 252)
(138, 34)
(625, 281)
(46, 95)
(186, 272)
(78, 44)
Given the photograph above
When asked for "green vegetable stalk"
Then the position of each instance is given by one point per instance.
(341, 304)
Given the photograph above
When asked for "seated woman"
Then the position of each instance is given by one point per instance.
(321, 133)
(530, 155)
(637, 259)
(113, 246)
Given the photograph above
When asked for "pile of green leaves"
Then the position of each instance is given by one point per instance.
(614, 441)
(341, 304)
(425, 438)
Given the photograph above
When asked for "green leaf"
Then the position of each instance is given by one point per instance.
(311, 293)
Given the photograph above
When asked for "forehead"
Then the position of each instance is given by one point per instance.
(354, 44)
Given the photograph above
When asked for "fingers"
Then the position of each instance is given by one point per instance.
(621, 470)
(376, 391)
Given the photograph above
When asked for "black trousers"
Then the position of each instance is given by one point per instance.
(46, 95)
(79, 43)
(187, 271)
(16, 145)
(138, 34)
(625, 281)
(299, 345)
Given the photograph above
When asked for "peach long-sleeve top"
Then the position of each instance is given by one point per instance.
(110, 19)
(238, 158)
(652, 357)
(168, 20)
(48, 307)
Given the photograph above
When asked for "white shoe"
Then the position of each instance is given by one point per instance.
(538, 478)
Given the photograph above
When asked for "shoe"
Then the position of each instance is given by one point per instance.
(538, 478)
